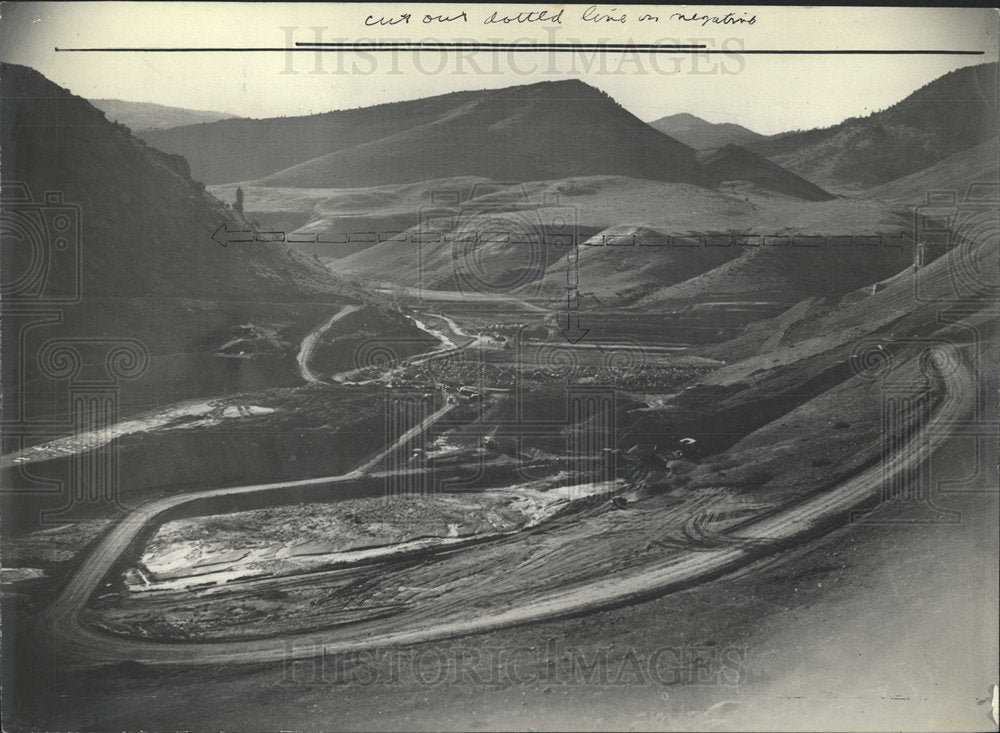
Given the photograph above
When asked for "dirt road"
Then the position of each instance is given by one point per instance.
(762, 536)
(447, 347)
(63, 616)
(310, 341)
(161, 418)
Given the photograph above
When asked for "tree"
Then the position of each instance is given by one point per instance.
(238, 206)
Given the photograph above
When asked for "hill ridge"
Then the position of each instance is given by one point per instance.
(576, 129)
(702, 134)
(735, 162)
(953, 112)
(533, 132)
(140, 116)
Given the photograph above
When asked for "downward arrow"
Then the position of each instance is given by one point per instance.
(224, 235)
(573, 333)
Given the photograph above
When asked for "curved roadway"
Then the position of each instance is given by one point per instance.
(310, 341)
(767, 534)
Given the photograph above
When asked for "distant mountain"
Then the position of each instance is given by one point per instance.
(952, 113)
(704, 135)
(140, 116)
(735, 163)
(525, 133)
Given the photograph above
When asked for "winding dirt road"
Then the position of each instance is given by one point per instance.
(763, 536)
(447, 347)
(310, 341)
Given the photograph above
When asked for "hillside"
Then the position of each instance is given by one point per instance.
(800, 402)
(785, 275)
(952, 113)
(142, 264)
(800, 393)
(148, 116)
(534, 132)
(704, 135)
(349, 218)
(146, 224)
(245, 149)
(528, 133)
(736, 163)
(345, 217)
(955, 173)
(621, 221)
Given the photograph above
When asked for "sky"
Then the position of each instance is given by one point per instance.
(767, 93)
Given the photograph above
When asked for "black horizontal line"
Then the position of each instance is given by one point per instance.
(536, 48)
(515, 46)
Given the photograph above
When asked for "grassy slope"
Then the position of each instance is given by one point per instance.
(788, 413)
(602, 205)
(218, 151)
(534, 132)
(521, 133)
(955, 173)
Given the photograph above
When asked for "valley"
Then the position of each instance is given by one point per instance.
(531, 374)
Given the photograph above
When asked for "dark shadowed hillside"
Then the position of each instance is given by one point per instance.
(736, 163)
(954, 112)
(244, 149)
(138, 259)
(146, 225)
(149, 116)
(704, 135)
